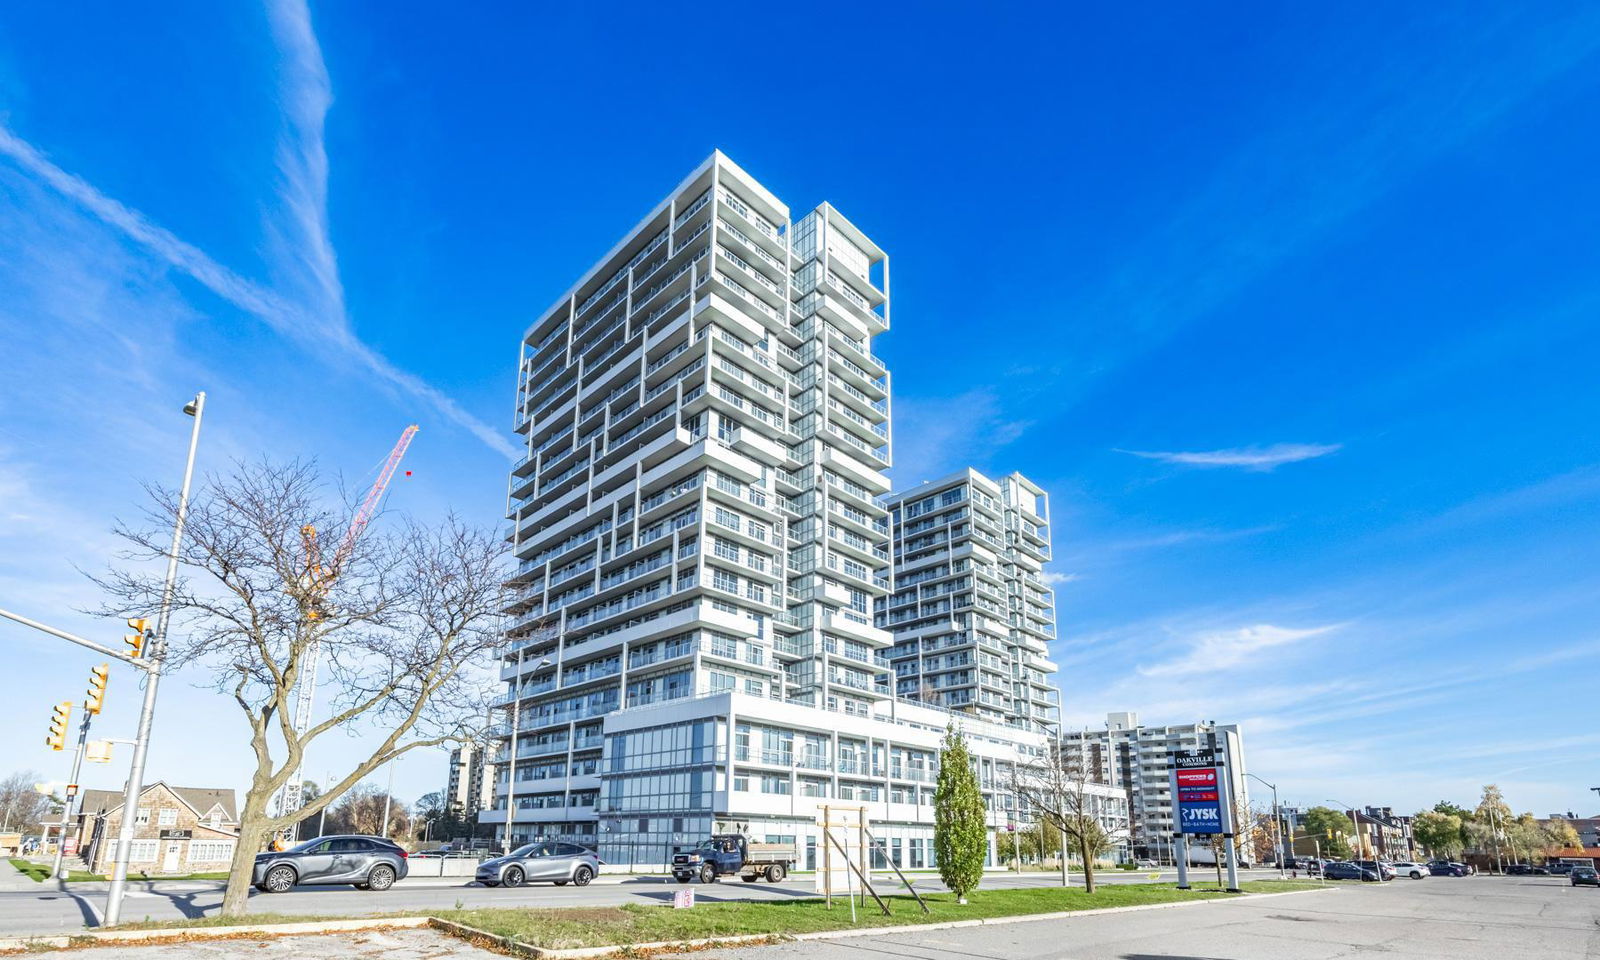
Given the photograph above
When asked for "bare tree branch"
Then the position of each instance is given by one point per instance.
(405, 624)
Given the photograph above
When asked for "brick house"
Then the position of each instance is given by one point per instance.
(176, 829)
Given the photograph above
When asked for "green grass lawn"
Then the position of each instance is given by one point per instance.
(609, 926)
(39, 872)
(635, 923)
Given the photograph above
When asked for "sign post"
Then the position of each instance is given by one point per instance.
(1181, 846)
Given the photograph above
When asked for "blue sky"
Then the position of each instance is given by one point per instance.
(1293, 309)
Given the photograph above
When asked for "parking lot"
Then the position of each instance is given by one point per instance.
(1471, 918)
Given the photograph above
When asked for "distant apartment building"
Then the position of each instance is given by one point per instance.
(971, 614)
(471, 787)
(702, 543)
(1384, 833)
(1138, 760)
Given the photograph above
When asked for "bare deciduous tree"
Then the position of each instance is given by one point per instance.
(1055, 790)
(22, 807)
(361, 810)
(403, 620)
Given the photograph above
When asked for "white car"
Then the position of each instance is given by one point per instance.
(1415, 871)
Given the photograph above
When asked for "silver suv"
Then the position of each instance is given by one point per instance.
(366, 863)
(544, 860)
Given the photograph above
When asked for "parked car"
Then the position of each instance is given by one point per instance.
(1445, 868)
(1585, 876)
(1384, 871)
(366, 863)
(545, 861)
(1345, 870)
(1415, 871)
(1559, 868)
(1519, 870)
(1539, 870)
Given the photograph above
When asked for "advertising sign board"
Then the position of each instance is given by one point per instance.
(1199, 793)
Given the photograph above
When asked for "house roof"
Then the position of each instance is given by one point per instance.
(198, 799)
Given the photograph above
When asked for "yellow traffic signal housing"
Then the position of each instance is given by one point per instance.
(97, 688)
(141, 629)
(60, 715)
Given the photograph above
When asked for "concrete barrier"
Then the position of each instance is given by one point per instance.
(441, 867)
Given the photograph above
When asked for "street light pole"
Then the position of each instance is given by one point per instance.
(511, 751)
(158, 654)
(1277, 822)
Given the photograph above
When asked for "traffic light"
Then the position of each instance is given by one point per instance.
(97, 689)
(60, 714)
(141, 629)
(99, 751)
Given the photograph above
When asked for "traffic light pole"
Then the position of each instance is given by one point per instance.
(59, 871)
(156, 659)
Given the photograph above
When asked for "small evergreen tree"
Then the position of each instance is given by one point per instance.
(960, 837)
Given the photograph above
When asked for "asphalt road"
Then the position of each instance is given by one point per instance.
(42, 908)
(1465, 918)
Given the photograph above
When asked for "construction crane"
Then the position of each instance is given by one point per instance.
(319, 578)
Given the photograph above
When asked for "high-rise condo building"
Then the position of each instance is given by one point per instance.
(470, 786)
(701, 544)
(1137, 760)
(971, 613)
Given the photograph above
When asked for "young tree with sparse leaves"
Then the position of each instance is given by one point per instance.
(960, 835)
(1055, 790)
(403, 621)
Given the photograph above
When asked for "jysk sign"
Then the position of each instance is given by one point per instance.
(1199, 793)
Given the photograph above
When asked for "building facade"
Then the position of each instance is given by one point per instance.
(1384, 834)
(702, 542)
(1138, 760)
(971, 614)
(176, 829)
(470, 786)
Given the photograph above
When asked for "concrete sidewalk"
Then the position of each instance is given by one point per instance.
(13, 880)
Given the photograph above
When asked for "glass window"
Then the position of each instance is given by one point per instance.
(142, 816)
(169, 816)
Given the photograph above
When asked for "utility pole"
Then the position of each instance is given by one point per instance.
(388, 798)
(158, 654)
(1277, 822)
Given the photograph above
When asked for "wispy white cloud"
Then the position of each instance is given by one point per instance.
(1060, 579)
(933, 437)
(320, 326)
(1260, 459)
(1174, 538)
(305, 96)
(1212, 652)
